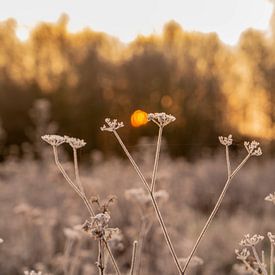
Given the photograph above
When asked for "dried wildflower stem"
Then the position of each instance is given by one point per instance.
(215, 210)
(248, 266)
(100, 260)
(112, 257)
(134, 254)
(165, 233)
(132, 160)
(76, 169)
(155, 205)
(65, 175)
(271, 259)
(260, 264)
(153, 182)
(228, 161)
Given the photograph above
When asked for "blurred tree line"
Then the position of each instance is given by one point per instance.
(211, 88)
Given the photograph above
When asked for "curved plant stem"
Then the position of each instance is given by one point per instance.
(76, 169)
(214, 211)
(68, 179)
(112, 257)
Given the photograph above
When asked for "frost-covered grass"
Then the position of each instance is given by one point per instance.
(41, 217)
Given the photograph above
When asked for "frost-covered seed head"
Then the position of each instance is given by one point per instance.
(101, 219)
(251, 241)
(112, 125)
(99, 229)
(161, 119)
(271, 198)
(75, 143)
(54, 140)
(253, 148)
(271, 237)
(243, 254)
(226, 141)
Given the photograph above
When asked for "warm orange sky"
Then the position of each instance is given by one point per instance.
(125, 18)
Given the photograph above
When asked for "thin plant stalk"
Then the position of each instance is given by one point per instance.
(260, 264)
(76, 169)
(271, 259)
(132, 161)
(134, 254)
(215, 210)
(102, 243)
(248, 266)
(100, 260)
(153, 181)
(68, 179)
(228, 161)
(155, 205)
(112, 257)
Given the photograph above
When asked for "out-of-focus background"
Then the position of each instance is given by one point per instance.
(55, 79)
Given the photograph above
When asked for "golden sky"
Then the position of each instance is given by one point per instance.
(126, 19)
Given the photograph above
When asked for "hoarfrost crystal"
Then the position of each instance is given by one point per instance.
(112, 125)
(54, 140)
(161, 119)
(75, 143)
(226, 141)
(253, 148)
(251, 241)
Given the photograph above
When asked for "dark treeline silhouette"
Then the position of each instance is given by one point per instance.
(211, 88)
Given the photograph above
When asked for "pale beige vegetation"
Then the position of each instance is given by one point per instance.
(98, 223)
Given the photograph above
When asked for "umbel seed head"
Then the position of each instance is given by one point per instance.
(161, 119)
(54, 140)
(111, 125)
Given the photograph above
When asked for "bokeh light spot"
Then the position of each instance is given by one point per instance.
(166, 101)
(139, 118)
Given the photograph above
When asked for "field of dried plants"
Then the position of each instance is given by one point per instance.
(43, 221)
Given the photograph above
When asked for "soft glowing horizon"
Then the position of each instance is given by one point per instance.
(126, 19)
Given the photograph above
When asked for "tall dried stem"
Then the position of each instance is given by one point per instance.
(112, 257)
(134, 254)
(153, 181)
(215, 210)
(271, 259)
(76, 169)
(260, 264)
(100, 260)
(68, 179)
(155, 205)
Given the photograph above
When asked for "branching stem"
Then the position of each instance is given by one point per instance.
(214, 211)
(68, 179)
(153, 200)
